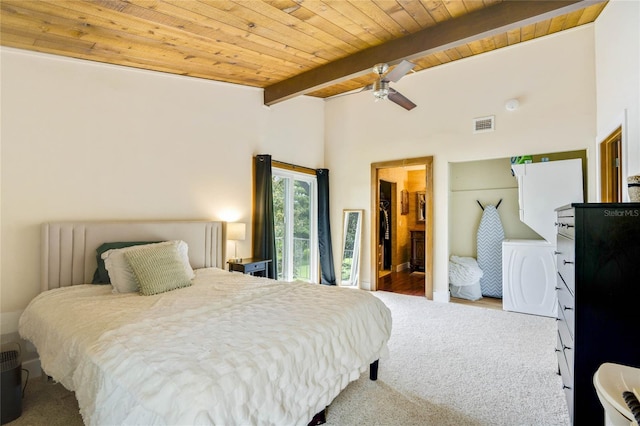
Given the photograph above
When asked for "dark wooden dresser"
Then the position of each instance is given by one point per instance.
(417, 250)
(598, 260)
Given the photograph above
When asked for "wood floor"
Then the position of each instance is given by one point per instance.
(403, 282)
(406, 282)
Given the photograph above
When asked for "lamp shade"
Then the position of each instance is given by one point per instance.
(236, 231)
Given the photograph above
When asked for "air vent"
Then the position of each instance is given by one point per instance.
(484, 124)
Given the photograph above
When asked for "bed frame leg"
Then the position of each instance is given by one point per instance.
(373, 370)
(319, 419)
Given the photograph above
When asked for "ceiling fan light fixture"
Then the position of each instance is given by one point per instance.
(381, 89)
(380, 68)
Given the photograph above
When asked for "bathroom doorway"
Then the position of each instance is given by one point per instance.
(402, 226)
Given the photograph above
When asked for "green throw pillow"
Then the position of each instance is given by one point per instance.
(158, 269)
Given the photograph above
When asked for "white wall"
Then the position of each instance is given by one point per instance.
(83, 140)
(553, 77)
(617, 53)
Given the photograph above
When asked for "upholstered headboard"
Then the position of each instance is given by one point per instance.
(69, 248)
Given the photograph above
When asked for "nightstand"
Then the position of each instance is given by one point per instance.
(256, 267)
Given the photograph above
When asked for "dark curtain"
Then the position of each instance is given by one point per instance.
(327, 272)
(264, 239)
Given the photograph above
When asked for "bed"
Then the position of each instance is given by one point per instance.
(225, 349)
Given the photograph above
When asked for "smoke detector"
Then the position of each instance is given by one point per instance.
(512, 105)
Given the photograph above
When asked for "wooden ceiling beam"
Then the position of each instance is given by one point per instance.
(475, 25)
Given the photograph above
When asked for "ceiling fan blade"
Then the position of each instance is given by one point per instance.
(399, 71)
(398, 98)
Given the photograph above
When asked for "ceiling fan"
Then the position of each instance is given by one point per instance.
(381, 88)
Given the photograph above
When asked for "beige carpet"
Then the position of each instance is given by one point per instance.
(448, 364)
(48, 403)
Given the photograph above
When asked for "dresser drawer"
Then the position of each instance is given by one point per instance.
(566, 223)
(565, 261)
(567, 228)
(566, 344)
(566, 309)
(567, 376)
(565, 370)
(254, 267)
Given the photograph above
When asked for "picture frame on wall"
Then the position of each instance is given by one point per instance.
(404, 202)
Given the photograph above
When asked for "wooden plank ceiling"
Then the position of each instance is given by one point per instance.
(288, 47)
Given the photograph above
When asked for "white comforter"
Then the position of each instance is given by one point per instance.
(229, 350)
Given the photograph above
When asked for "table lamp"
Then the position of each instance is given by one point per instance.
(236, 231)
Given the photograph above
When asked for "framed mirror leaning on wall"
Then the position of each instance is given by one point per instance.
(422, 206)
(351, 242)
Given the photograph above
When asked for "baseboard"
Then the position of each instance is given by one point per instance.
(28, 355)
(403, 266)
(33, 366)
(441, 296)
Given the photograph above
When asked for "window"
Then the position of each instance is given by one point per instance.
(295, 221)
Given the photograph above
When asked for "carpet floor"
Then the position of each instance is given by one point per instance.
(448, 364)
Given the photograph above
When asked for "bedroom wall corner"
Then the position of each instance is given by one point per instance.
(89, 141)
(8, 334)
(9, 324)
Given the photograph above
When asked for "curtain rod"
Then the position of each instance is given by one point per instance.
(293, 167)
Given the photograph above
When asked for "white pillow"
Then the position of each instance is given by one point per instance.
(121, 275)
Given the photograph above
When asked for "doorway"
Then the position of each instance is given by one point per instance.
(611, 168)
(295, 212)
(401, 227)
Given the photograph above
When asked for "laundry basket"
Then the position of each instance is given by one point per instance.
(464, 278)
(11, 391)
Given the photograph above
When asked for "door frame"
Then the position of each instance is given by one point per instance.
(619, 121)
(427, 162)
(611, 179)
